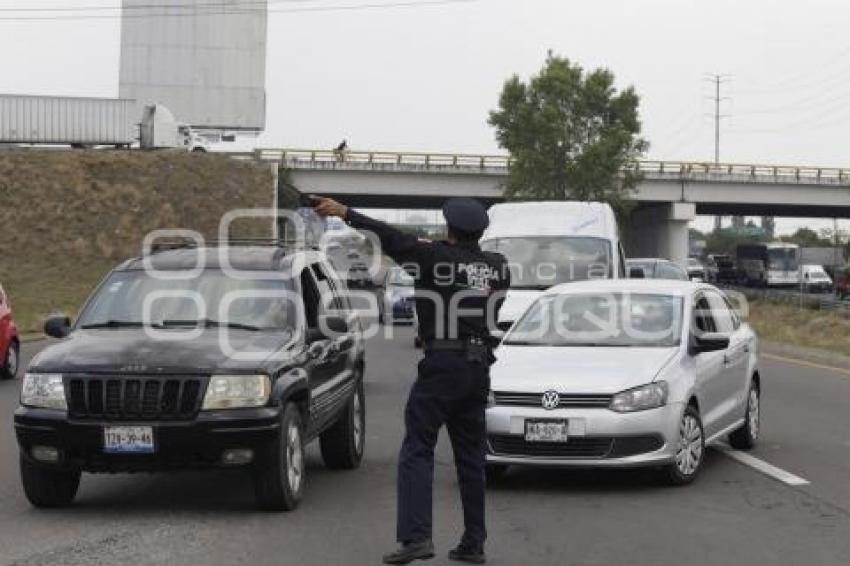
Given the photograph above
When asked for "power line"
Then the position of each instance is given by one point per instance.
(219, 4)
(189, 12)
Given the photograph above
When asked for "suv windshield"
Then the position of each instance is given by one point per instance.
(541, 262)
(120, 301)
(601, 319)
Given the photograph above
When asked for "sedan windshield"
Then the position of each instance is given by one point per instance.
(247, 303)
(600, 319)
(541, 262)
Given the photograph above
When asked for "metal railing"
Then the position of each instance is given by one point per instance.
(412, 158)
(649, 168)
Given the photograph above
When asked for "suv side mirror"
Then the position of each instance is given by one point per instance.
(313, 335)
(709, 342)
(57, 326)
(636, 273)
(336, 324)
(330, 324)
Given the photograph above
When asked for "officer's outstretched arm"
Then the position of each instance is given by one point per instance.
(402, 247)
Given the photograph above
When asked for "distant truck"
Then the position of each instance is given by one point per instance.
(829, 257)
(159, 130)
(78, 122)
(90, 122)
(775, 264)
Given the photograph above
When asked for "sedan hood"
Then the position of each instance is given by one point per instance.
(132, 350)
(537, 369)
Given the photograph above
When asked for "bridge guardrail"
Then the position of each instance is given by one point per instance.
(650, 168)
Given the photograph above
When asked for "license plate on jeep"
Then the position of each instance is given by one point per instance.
(547, 430)
(128, 440)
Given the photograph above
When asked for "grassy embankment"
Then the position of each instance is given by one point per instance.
(788, 324)
(66, 218)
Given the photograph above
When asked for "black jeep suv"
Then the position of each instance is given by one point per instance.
(198, 357)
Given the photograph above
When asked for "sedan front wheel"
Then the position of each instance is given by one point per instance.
(690, 449)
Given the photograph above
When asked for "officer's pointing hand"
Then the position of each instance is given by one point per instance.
(325, 207)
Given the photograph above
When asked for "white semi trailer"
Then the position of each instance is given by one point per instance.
(89, 122)
(64, 120)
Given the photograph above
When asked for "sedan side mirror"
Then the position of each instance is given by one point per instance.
(636, 273)
(709, 342)
(57, 326)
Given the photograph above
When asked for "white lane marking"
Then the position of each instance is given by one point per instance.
(761, 466)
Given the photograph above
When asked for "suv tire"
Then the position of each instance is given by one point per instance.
(690, 447)
(279, 470)
(494, 474)
(747, 436)
(343, 443)
(48, 487)
(9, 367)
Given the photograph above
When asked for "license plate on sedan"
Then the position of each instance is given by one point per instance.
(547, 430)
(128, 440)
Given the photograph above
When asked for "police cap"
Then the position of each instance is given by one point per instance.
(466, 214)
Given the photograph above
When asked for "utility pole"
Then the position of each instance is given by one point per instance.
(717, 80)
(717, 120)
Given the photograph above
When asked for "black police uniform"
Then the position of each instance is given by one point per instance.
(453, 377)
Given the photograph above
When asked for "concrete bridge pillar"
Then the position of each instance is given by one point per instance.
(659, 230)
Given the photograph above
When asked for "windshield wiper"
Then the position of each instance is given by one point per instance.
(115, 324)
(209, 323)
(530, 287)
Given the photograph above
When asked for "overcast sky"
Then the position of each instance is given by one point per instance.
(424, 78)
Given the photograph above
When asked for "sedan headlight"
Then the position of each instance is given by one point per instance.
(641, 398)
(44, 390)
(237, 391)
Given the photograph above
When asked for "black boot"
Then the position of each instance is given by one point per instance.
(470, 553)
(409, 552)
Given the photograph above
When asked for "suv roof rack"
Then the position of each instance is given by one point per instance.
(177, 243)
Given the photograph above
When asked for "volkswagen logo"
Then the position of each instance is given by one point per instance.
(551, 400)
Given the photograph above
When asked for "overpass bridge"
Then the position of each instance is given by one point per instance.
(669, 195)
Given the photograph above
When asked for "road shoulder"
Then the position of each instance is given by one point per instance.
(806, 354)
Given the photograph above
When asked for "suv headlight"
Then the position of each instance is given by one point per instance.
(641, 398)
(43, 390)
(237, 391)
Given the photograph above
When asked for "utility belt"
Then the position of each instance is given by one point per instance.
(477, 349)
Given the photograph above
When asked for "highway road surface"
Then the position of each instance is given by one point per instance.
(786, 504)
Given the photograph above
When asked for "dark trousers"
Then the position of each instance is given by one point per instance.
(449, 391)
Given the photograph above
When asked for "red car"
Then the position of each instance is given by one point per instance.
(9, 342)
(841, 282)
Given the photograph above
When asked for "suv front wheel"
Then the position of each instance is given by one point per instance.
(279, 471)
(342, 445)
(46, 487)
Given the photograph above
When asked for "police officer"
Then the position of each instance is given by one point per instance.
(459, 289)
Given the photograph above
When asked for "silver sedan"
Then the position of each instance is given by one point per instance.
(624, 373)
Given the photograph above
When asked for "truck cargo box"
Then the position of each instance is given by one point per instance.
(67, 120)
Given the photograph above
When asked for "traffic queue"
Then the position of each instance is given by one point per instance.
(588, 361)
